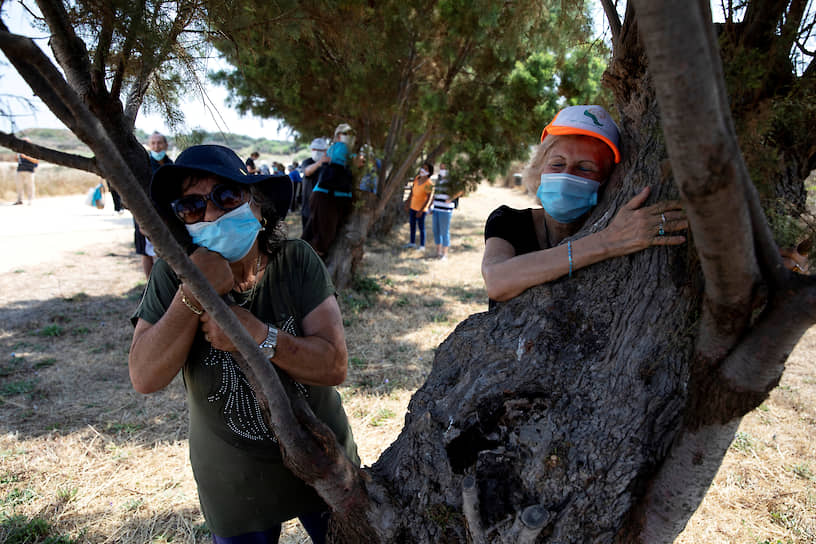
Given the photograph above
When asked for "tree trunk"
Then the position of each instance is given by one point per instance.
(347, 250)
(566, 397)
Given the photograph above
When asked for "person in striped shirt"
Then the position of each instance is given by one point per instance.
(444, 202)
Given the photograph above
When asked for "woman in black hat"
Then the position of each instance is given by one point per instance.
(286, 301)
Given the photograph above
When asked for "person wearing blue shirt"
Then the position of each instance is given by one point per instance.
(294, 175)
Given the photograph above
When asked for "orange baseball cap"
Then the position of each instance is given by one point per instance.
(591, 121)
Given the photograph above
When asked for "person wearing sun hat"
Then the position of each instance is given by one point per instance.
(574, 159)
(283, 295)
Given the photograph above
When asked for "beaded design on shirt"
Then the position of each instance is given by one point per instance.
(242, 412)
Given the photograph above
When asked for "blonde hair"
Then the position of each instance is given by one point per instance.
(531, 175)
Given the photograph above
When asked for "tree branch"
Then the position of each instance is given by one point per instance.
(127, 47)
(68, 48)
(151, 63)
(39, 73)
(613, 19)
(103, 45)
(49, 155)
(706, 162)
(756, 365)
(394, 181)
(761, 21)
(790, 29)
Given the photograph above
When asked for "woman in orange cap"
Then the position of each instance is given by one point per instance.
(578, 151)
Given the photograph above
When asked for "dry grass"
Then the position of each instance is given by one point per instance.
(49, 179)
(80, 449)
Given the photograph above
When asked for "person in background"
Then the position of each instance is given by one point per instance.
(444, 202)
(25, 177)
(297, 181)
(575, 158)
(284, 297)
(330, 202)
(311, 167)
(264, 169)
(417, 204)
(369, 166)
(157, 150)
(250, 163)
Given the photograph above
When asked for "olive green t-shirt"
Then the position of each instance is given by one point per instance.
(242, 484)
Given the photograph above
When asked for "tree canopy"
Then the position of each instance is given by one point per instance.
(483, 77)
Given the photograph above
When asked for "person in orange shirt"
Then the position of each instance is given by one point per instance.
(418, 203)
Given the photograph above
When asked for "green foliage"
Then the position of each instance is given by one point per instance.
(22, 530)
(17, 496)
(742, 442)
(381, 417)
(483, 76)
(803, 471)
(19, 387)
(366, 285)
(774, 109)
(51, 330)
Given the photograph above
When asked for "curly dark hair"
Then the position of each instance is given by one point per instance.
(270, 239)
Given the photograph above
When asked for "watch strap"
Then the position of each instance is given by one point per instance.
(270, 343)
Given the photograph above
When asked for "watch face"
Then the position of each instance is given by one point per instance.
(268, 351)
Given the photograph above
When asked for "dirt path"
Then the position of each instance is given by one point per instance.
(53, 228)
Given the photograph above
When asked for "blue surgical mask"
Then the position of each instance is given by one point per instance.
(157, 155)
(566, 197)
(231, 235)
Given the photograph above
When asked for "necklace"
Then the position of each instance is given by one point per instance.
(254, 289)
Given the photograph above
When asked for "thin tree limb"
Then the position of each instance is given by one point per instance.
(39, 73)
(394, 180)
(613, 19)
(68, 48)
(53, 156)
(127, 48)
(103, 45)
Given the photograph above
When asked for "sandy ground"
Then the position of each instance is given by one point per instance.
(53, 228)
(71, 266)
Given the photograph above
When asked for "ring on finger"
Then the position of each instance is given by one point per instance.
(661, 231)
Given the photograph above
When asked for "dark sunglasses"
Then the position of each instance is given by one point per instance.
(191, 208)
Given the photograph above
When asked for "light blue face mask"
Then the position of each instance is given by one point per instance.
(231, 235)
(157, 155)
(566, 197)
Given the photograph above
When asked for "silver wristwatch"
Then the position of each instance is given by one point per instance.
(270, 344)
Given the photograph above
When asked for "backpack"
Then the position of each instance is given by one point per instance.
(334, 178)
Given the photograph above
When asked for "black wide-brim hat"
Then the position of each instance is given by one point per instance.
(219, 161)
